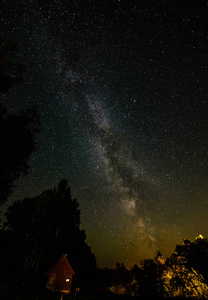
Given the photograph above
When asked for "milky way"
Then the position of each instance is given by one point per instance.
(122, 92)
(125, 178)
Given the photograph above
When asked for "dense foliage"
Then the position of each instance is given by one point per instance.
(183, 275)
(42, 229)
(17, 137)
(17, 131)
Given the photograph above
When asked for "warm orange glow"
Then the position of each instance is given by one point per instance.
(64, 291)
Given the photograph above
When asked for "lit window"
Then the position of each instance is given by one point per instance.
(67, 280)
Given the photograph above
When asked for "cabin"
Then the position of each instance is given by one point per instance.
(60, 276)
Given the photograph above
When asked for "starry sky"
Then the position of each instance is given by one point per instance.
(121, 87)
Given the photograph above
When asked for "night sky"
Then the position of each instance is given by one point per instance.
(122, 90)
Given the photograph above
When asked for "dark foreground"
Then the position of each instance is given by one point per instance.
(25, 293)
(28, 293)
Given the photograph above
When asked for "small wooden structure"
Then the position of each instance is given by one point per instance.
(60, 276)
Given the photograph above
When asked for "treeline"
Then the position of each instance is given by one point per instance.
(183, 275)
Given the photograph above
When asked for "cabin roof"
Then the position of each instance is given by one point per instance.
(61, 261)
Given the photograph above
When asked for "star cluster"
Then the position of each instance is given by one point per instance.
(122, 89)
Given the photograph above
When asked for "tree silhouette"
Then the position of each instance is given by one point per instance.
(17, 132)
(195, 254)
(17, 139)
(45, 227)
(148, 280)
(179, 280)
(134, 278)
